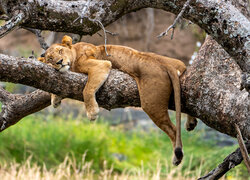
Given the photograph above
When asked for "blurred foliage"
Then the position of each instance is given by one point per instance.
(10, 87)
(26, 52)
(199, 33)
(50, 139)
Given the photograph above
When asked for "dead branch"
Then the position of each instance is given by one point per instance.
(243, 148)
(12, 23)
(232, 160)
(165, 33)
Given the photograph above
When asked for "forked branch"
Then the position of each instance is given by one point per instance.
(165, 33)
(12, 23)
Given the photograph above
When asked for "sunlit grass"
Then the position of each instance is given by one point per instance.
(50, 139)
(71, 169)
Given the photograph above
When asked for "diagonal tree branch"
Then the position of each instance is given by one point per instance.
(232, 160)
(18, 106)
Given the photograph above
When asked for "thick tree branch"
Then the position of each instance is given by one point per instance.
(232, 160)
(120, 90)
(18, 106)
(223, 21)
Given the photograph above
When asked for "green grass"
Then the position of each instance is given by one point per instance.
(49, 140)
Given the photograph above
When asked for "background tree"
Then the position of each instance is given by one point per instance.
(215, 88)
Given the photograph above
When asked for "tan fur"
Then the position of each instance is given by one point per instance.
(156, 77)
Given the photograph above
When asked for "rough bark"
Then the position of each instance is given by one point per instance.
(223, 21)
(210, 87)
(15, 107)
(120, 90)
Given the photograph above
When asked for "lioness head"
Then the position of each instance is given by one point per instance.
(60, 56)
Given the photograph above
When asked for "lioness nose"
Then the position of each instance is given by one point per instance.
(59, 62)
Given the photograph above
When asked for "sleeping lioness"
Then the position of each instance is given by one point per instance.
(156, 77)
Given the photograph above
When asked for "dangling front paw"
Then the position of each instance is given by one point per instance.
(93, 114)
(55, 100)
(55, 104)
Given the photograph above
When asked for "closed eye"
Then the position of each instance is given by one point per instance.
(50, 59)
(59, 62)
(60, 51)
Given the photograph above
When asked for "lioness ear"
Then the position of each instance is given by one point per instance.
(42, 59)
(67, 41)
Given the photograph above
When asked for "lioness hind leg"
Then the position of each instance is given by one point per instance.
(55, 100)
(154, 96)
(190, 123)
(98, 72)
(165, 124)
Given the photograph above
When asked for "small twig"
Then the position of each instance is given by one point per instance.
(111, 33)
(99, 34)
(105, 35)
(99, 23)
(12, 23)
(165, 33)
(32, 56)
(108, 32)
(41, 40)
(243, 148)
(84, 14)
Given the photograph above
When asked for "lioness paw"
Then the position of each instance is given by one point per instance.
(55, 100)
(178, 155)
(93, 114)
(56, 104)
(92, 117)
